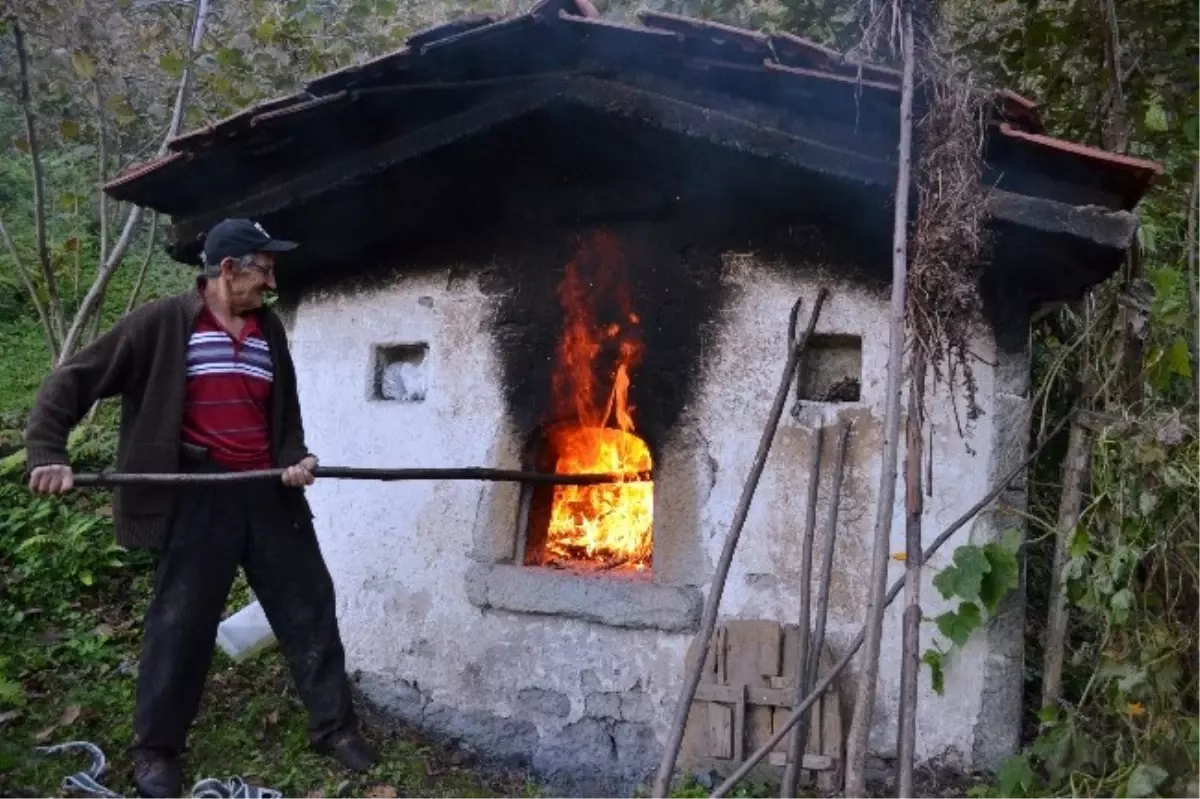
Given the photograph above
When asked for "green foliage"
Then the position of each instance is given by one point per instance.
(979, 576)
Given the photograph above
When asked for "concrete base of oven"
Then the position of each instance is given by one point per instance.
(630, 601)
(610, 751)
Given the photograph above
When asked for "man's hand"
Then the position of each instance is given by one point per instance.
(301, 474)
(53, 479)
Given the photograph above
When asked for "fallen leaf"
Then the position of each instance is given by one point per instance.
(273, 716)
(103, 629)
(105, 511)
(381, 792)
(44, 735)
(9, 715)
(900, 556)
(1135, 709)
(70, 715)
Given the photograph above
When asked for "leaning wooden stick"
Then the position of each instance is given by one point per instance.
(784, 728)
(708, 621)
(108, 480)
(791, 776)
(830, 540)
(910, 658)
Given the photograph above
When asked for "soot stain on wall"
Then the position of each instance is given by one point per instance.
(674, 289)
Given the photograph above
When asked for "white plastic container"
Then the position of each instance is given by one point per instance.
(245, 633)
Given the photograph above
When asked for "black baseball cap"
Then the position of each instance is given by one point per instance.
(233, 238)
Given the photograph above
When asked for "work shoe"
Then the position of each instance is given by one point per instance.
(157, 775)
(352, 751)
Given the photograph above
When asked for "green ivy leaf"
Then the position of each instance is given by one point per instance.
(1144, 780)
(958, 626)
(1121, 603)
(83, 64)
(1080, 544)
(965, 577)
(172, 63)
(1178, 359)
(1015, 776)
(1002, 576)
(1156, 118)
(1191, 129)
(937, 675)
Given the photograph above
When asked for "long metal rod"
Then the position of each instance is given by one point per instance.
(107, 480)
(708, 619)
(783, 729)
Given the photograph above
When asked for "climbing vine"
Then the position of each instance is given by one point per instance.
(978, 579)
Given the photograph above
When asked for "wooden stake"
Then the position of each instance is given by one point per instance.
(864, 706)
(830, 540)
(708, 621)
(791, 775)
(910, 658)
(1075, 464)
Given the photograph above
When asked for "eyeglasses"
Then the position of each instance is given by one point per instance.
(267, 269)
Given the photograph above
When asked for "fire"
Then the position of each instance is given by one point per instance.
(605, 524)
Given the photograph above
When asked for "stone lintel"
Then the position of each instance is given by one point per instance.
(630, 601)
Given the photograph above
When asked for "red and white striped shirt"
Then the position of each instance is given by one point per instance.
(229, 379)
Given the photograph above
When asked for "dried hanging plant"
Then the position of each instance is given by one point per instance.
(949, 243)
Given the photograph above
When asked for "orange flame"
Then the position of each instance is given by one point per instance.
(612, 523)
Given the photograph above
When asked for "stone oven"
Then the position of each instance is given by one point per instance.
(558, 243)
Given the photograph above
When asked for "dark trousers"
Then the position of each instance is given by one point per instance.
(215, 529)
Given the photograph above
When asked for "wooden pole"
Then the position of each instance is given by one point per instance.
(830, 540)
(783, 729)
(791, 776)
(1074, 467)
(708, 621)
(910, 658)
(864, 706)
(108, 480)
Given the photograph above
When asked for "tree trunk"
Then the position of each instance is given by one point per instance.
(864, 706)
(54, 305)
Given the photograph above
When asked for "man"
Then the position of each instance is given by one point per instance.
(208, 385)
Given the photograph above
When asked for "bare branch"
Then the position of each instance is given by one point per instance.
(91, 302)
(185, 81)
(102, 136)
(141, 278)
(1193, 302)
(39, 189)
(27, 279)
(1116, 120)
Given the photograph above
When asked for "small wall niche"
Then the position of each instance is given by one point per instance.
(832, 370)
(400, 373)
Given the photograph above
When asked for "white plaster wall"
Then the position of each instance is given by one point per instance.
(399, 551)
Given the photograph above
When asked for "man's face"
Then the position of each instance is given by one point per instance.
(247, 283)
